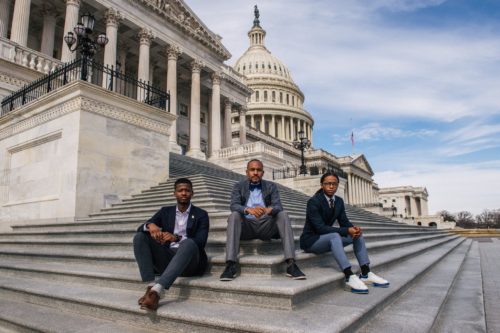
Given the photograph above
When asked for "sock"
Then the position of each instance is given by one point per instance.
(365, 269)
(290, 261)
(230, 262)
(348, 273)
(158, 288)
(151, 284)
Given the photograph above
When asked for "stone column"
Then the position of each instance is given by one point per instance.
(349, 188)
(272, 128)
(228, 134)
(113, 18)
(252, 121)
(4, 17)
(49, 29)
(122, 57)
(145, 38)
(282, 128)
(20, 22)
(194, 117)
(173, 53)
(70, 20)
(215, 114)
(243, 126)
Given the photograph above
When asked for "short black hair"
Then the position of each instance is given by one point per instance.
(255, 160)
(183, 181)
(327, 174)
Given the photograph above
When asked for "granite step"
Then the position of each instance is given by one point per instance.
(464, 309)
(44, 318)
(417, 309)
(180, 314)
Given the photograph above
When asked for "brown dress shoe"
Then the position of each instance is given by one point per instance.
(143, 297)
(150, 301)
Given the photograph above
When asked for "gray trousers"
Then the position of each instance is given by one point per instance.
(335, 242)
(154, 258)
(240, 228)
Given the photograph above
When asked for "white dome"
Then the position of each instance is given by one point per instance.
(258, 61)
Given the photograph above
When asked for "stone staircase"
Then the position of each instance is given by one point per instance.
(82, 277)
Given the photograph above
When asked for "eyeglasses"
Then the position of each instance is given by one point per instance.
(331, 184)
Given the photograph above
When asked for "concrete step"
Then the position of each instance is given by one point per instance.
(417, 308)
(312, 314)
(44, 318)
(464, 309)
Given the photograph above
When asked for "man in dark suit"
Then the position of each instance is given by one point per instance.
(320, 236)
(257, 214)
(171, 243)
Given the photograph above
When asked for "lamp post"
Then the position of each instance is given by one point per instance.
(394, 209)
(302, 143)
(83, 41)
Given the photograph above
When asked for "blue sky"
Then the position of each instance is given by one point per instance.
(418, 82)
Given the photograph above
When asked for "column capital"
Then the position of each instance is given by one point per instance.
(73, 2)
(49, 11)
(145, 36)
(113, 17)
(216, 78)
(242, 111)
(196, 65)
(173, 51)
(228, 103)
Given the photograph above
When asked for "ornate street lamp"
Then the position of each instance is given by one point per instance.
(394, 209)
(302, 143)
(83, 41)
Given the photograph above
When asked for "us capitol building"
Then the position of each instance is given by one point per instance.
(96, 135)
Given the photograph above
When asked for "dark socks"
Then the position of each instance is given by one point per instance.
(290, 261)
(348, 272)
(365, 269)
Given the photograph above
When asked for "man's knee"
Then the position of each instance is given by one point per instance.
(140, 238)
(282, 217)
(188, 244)
(234, 217)
(335, 238)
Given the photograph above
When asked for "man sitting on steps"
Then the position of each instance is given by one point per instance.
(256, 212)
(320, 236)
(171, 243)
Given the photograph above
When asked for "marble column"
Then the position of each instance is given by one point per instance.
(349, 188)
(173, 53)
(272, 127)
(145, 38)
(122, 57)
(70, 20)
(20, 22)
(194, 116)
(243, 126)
(113, 18)
(228, 134)
(282, 137)
(4, 17)
(215, 123)
(252, 121)
(48, 31)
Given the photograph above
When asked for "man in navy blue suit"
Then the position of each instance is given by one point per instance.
(320, 236)
(171, 243)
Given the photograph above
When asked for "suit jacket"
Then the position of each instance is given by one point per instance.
(319, 220)
(196, 229)
(241, 193)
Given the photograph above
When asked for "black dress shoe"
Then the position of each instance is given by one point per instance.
(230, 272)
(294, 272)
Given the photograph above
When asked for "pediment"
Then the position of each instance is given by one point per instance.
(362, 163)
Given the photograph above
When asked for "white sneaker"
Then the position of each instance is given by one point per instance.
(374, 280)
(355, 285)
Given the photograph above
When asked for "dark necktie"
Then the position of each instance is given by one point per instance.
(332, 206)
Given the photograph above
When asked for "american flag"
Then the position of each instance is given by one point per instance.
(352, 138)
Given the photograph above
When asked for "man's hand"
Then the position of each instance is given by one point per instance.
(355, 232)
(155, 232)
(167, 237)
(258, 211)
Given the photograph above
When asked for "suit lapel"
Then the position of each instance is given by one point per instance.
(191, 218)
(245, 191)
(171, 219)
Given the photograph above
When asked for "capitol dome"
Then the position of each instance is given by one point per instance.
(276, 104)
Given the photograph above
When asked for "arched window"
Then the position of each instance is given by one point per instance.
(287, 99)
(265, 95)
(281, 97)
(273, 96)
(257, 96)
(293, 100)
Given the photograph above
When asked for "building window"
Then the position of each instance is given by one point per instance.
(265, 95)
(287, 99)
(266, 127)
(281, 97)
(183, 110)
(203, 118)
(273, 94)
(257, 96)
(263, 66)
(293, 100)
(393, 200)
(257, 124)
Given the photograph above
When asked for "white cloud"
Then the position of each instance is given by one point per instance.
(376, 132)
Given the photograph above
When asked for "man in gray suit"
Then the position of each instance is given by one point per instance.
(256, 213)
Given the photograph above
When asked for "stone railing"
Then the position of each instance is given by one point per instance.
(249, 148)
(321, 154)
(27, 57)
(272, 141)
(229, 74)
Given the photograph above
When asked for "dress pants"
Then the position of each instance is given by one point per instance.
(241, 228)
(155, 258)
(335, 242)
